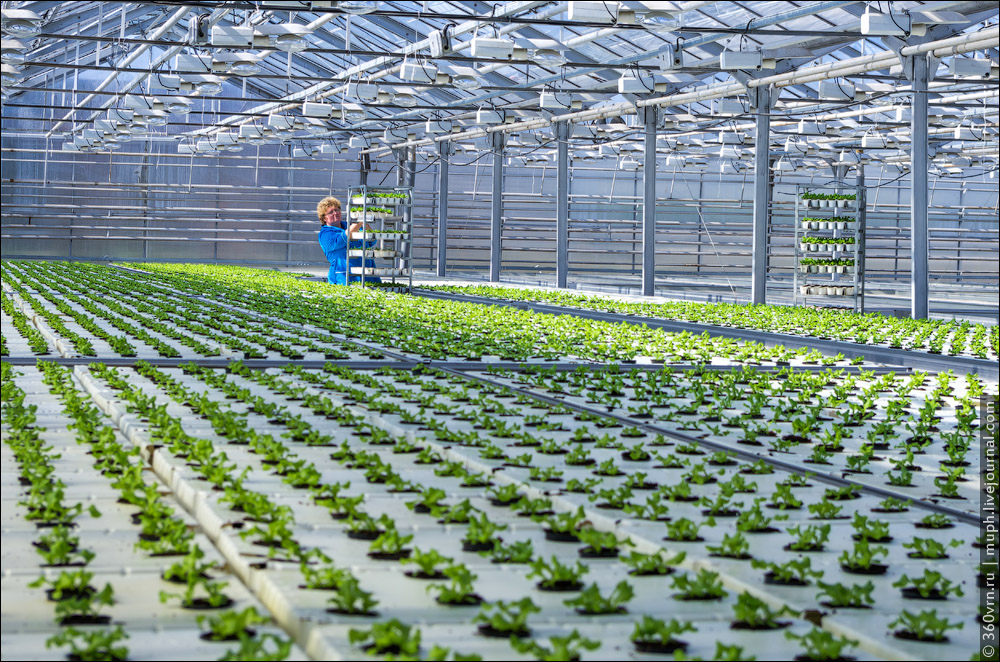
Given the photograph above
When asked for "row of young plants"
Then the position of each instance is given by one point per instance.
(161, 535)
(32, 336)
(444, 329)
(795, 572)
(81, 344)
(386, 543)
(118, 343)
(424, 339)
(732, 546)
(189, 319)
(152, 319)
(453, 437)
(639, 452)
(481, 535)
(953, 338)
(45, 504)
(268, 524)
(100, 305)
(848, 422)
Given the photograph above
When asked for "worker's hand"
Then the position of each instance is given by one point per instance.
(354, 227)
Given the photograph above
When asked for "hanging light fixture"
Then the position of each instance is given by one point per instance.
(9, 74)
(466, 82)
(357, 7)
(849, 157)
(549, 57)
(291, 43)
(177, 105)
(405, 100)
(784, 164)
(12, 52)
(629, 163)
(659, 22)
(21, 23)
(354, 113)
(315, 126)
(155, 117)
(208, 88)
(244, 64)
(288, 37)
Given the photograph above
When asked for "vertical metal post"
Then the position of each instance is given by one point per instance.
(758, 258)
(409, 248)
(918, 190)
(288, 218)
(861, 237)
(496, 209)
(562, 203)
(649, 202)
(444, 150)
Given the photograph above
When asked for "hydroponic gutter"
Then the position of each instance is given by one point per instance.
(896, 357)
(409, 364)
(603, 522)
(789, 467)
(305, 632)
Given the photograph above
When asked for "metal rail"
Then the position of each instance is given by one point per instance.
(897, 357)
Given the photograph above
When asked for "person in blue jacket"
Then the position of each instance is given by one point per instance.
(333, 240)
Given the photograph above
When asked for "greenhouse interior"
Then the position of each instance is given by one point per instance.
(525, 330)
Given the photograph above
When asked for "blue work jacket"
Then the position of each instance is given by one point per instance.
(333, 241)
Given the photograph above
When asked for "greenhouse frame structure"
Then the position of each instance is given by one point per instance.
(596, 426)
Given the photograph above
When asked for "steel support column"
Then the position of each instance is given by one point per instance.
(650, 116)
(496, 209)
(562, 203)
(918, 190)
(364, 165)
(444, 151)
(761, 196)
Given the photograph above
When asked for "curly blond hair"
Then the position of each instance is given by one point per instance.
(324, 206)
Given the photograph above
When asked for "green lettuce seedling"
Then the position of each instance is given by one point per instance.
(591, 602)
(553, 574)
(559, 648)
(655, 631)
(91, 644)
(509, 618)
(752, 612)
(702, 585)
(821, 645)
(858, 596)
(391, 637)
(925, 626)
